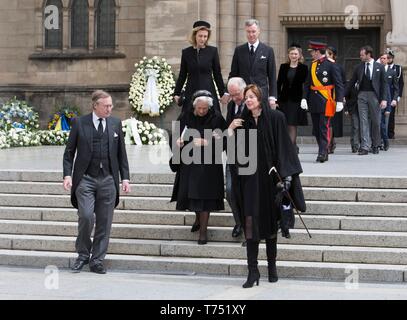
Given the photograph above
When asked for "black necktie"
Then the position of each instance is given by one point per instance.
(100, 126)
(251, 50)
(368, 70)
(251, 58)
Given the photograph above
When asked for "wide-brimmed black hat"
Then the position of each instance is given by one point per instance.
(201, 23)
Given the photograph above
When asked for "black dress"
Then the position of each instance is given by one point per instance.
(198, 186)
(200, 70)
(258, 190)
(289, 87)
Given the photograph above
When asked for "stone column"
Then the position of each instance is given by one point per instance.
(261, 13)
(65, 30)
(227, 34)
(39, 30)
(208, 11)
(245, 10)
(92, 28)
(397, 40)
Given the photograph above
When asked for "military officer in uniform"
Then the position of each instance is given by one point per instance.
(323, 96)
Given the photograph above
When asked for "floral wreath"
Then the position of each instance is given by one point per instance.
(139, 132)
(151, 87)
(61, 120)
(18, 115)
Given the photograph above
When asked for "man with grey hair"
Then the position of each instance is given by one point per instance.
(255, 62)
(94, 156)
(235, 110)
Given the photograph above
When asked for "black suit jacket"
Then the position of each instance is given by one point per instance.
(80, 143)
(200, 74)
(378, 80)
(294, 92)
(263, 71)
(393, 83)
(399, 73)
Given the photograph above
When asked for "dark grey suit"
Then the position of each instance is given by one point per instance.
(369, 102)
(93, 195)
(262, 72)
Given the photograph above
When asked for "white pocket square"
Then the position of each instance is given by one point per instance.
(263, 57)
(115, 135)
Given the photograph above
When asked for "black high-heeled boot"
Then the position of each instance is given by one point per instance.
(271, 249)
(254, 274)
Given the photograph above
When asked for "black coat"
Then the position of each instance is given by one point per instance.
(258, 190)
(326, 70)
(80, 143)
(200, 180)
(378, 80)
(294, 92)
(199, 74)
(399, 72)
(263, 71)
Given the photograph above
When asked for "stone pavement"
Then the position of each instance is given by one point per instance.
(146, 159)
(30, 284)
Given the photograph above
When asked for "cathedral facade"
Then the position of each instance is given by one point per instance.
(55, 52)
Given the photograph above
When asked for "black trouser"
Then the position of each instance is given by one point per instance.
(392, 123)
(320, 129)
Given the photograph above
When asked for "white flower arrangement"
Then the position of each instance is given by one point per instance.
(53, 137)
(20, 138)
(165, 84)
(18, 115)
(148, 133)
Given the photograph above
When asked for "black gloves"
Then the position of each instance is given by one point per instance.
(285, 185)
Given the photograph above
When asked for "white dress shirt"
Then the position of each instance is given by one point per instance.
(95, 119)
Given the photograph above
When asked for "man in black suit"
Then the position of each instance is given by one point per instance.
(98, 142)
(235, 110)
(399, 72)
(370, 80)
(254, 61)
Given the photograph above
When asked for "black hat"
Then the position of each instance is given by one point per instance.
(201, 93)
(333, 49)
(390, 52)
(201, 23)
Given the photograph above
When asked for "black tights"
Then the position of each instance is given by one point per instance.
(202, 219)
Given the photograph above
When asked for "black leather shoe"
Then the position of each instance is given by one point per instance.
(78, 265)
(202, 242)
(195, 227)
(355, 149)
(375, 150)
(386, 146)
(363, 152)
(98, 268)
(322, 158)
(237, 231)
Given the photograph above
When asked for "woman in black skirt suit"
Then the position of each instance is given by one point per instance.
(258, 190)
(200, 67)
(199, 186)
(291, 78)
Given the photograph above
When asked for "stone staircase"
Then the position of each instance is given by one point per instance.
(357, 223)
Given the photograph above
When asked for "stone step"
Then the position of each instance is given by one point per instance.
(221, 250)
(213, 266)
(164, 204)
(219, 219)
(329, 181)
(165, 190)
(166, 232)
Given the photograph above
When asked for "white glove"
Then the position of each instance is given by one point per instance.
(339, 106)
(304, 104)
